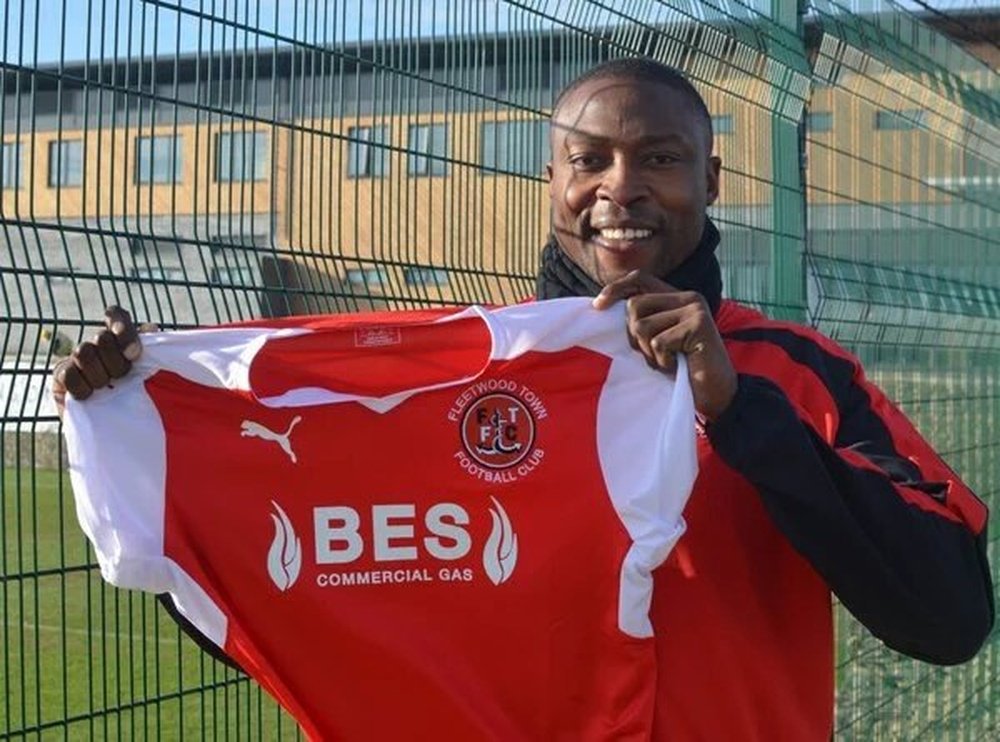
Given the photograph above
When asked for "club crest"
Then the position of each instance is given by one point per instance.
(498, 431)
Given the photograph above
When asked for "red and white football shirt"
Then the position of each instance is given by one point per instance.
(408, 525)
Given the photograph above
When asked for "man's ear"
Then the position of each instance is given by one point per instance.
(548, 171)
(714, 166)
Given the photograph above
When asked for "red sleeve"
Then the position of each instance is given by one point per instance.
(858, 492)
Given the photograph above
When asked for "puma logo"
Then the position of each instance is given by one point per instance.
(251, 429)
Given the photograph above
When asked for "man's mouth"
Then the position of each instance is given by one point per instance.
(621, 239)
(624, 235)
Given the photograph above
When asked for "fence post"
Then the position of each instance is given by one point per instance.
(787, 286)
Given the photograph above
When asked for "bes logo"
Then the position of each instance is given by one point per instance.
(401, 541)
(284, 558)
(498, 431)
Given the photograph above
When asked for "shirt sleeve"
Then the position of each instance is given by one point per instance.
(900, 539)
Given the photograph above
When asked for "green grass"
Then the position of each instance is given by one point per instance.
(885, 696)
(82, 660)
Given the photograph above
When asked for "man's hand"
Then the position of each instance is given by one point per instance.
(663, 322)
(93, 364)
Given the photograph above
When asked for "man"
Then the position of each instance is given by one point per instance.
(810, 480)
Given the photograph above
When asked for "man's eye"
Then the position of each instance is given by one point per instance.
(662, 158)
(585, 162)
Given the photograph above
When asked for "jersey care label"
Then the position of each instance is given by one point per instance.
(377, 337)
(497, 423)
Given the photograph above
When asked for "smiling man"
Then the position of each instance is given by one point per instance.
(631, 177)
(810, 479)
(632, 173)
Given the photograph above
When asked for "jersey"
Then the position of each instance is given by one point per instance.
(404, 526)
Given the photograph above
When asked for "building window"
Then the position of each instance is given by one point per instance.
(241, 156)
(427, 139)
(66, 163)
(158, 159)
(234, 275)
(365, 158)
(152, 249)
(10, 165)
(366, 276)
(722, 124)
(425, 276)
(819, 121)
(899, 120)
(235, 261)
(518, 147)
(156, 273)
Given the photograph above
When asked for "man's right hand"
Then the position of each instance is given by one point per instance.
(93, 364)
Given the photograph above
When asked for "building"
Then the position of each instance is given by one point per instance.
(203, 188)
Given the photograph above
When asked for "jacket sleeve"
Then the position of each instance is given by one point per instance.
(898, 537)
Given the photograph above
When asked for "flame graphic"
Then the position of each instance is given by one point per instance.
(500, 552)
(284, 558)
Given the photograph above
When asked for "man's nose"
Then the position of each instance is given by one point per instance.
(622, 183)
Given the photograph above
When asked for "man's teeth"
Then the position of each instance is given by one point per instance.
(626, 234)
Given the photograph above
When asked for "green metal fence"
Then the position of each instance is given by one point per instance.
(202, 161)
(904, 252)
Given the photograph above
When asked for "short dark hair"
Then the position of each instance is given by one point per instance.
(646, 70)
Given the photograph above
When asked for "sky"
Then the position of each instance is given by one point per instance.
(75, 30)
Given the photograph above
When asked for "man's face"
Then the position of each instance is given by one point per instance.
(630, 178)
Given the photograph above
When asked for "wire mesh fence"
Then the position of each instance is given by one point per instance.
(204, 161)
(902, 250)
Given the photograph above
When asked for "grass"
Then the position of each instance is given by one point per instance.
(82, 660)
(885, 696)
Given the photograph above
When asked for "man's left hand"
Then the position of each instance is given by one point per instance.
(663, 322)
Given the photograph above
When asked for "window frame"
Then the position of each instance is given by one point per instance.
(240, 254)
(428, 164)
(362, 276)
(825, 116)
(907, 119)
(61, 162)
(172, 178)
(442, 277)
(160, 273)
(357, 146)
(504, 169)
(723, 124)
(248, 276)
(7, 169)
(258, 159)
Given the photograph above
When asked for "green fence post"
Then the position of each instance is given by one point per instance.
(786, 296)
